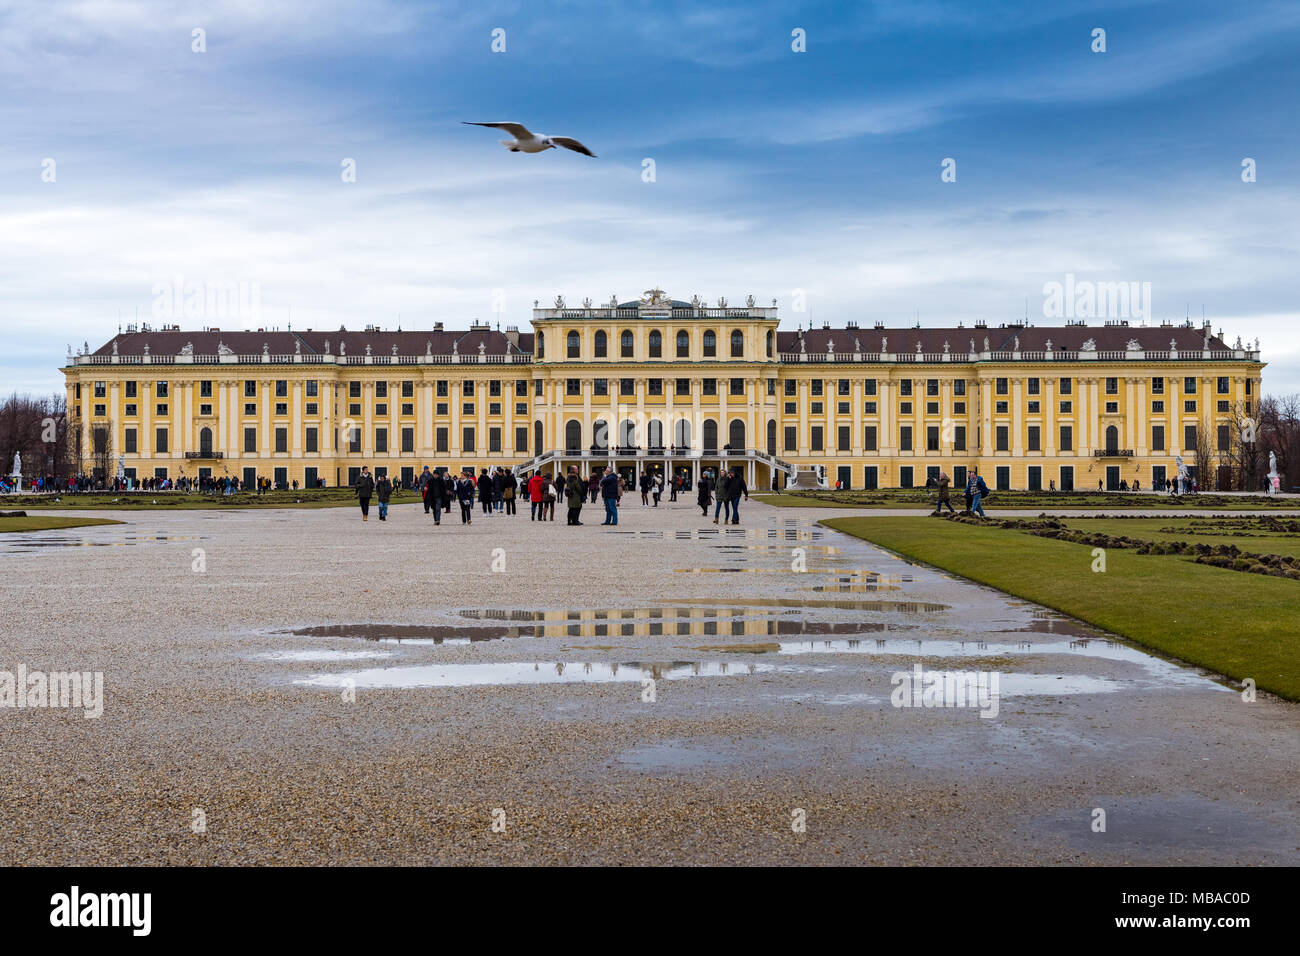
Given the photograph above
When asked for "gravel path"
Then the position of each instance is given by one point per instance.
(521, 689)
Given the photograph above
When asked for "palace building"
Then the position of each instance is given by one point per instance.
(671, 386)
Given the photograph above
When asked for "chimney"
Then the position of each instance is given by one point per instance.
(512, 335)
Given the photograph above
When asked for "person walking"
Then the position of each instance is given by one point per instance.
(575, 492)
(593, 484)
(426, 489)
(645, 488)
(704, 494)
(673, 487)
(535, 493)
(498, 489)
(944, 481)
(610, 490)
(364, 489)
(383, 492)
(485, 490)
(977, 489)
(657, 489)
(722, 498)
(740, 490)
(465, 489)
(509, 489)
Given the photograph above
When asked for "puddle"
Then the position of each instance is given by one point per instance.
(19, 542)
(898, 607)
(320, 655)
(475, 675)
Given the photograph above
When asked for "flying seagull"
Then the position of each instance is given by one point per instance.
(526, 142)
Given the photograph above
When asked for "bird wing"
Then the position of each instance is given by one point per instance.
(568, 142)
(517, 130)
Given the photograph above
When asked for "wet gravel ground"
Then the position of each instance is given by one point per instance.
(312, 689)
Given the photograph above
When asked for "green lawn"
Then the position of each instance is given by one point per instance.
(1153, 529)
(1044, 501)
(47, 522)
(1241, 625)
(173, 500)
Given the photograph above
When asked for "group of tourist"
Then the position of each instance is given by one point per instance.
(976, 491)
(496, 492)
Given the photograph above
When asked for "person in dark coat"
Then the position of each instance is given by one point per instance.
(485, 490)
(705, 493)
(465, 488)
(364, 489)
(575, 492)
(383, 491)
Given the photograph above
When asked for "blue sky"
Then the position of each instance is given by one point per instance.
(775, 171)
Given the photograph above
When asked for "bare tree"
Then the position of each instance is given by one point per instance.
(101, 449)
(1203, 458)
(1279, 433)
(1243, 454)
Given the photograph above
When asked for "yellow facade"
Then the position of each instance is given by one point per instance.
(662, 384)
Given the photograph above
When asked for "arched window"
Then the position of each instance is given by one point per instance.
(710, 436)
(771, 435)
(682, 433)
(573, 435)
(655, 434)
(656, 344)
(541, 345)
(736, 434)
(771, 344)
(1112, 439)
(602, 344)
(625, 343)
(737, 343)
(627, 434)
(710, 343)
(574, 345)
(205, 442)
(683, 344)
(600, 435)
(537, 438)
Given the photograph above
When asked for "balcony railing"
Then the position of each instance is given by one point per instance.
(205, 454)
(1113, 453)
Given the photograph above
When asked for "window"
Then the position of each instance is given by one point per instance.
(250, 408)
(467, 408)
(1112, 386)
(1190, 405)
(380, 409)
(710, 343)
(521, 408)
(381, 389)
(354, 440)
(408, 389)
(131, 389)
(817, 443)
(1067, 386)
(521, 439)
(494, 388)
(440, 388)
(281, 440)
(313, 441)
(161, 408)
(128, 441)
(1157, 386)
(601, 344)
(440, 440)
(737, 386)
(932, 386)
(467, 439)
(541, 345)
(539, 388)
(791, 439)
(959, 387)
(441, 408)
(654, 386)
(132, 410)
(572, 386)
(494, 439)
(281, 388)
(1033, 408)
(203, 409)
(1222, 385)
(250, 388)
(408, 408)
(791, 408)
(737, 343)
(521, 387)
(1223, 406)
(626, 386)
(1035, 478)
(1067, 408)
(842, 408)
(494, 408)
(1112, 408)
(869, 438)
(656, 344)
(683, 386)
(843, 441)
(904, 408)
(1189, 438)
(932, 438)
(101, 410)
(1002, 437)
(1000, 408)
(959, 408)
(467, 388)
(904, 387)
(573, 345)
(791, 387)
(1189, 385)
(1157, 437)
(282, 408)
(709, 386)
(683, 344)
(160, 390)
(959, 438)
(250, 439)
(1033, 386)
(625, 344)
(816, 408)
(1034, 432)
(905, 438)
(1158, 408)
(905, 476)
(600, 386)
(381, 440)
(1067, 438)
(869, 386)
(869, 408)
(842, 387)
(354, 389)
(1000, 386)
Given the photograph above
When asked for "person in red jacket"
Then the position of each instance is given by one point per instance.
(536, 489)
